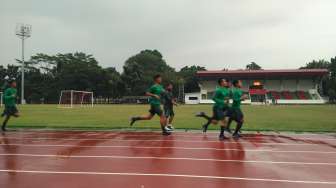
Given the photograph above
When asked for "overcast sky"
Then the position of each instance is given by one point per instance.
(213, 33)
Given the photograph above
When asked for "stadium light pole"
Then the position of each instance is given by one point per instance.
(23, 31)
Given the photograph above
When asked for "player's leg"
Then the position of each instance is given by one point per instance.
(230, 114)
(171, 119)
(223, 124)
(8, 112)
(145, 117)
(228, 129)
(240, 121)
(163, 121)
(4, 124)
(203, 115)
(210, 120)
(167, 111)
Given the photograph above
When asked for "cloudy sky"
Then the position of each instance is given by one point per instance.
(213, 33)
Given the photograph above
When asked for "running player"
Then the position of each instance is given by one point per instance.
(154, 93)
(220, 108)
(168, 105)
(10, 103)
(236, 113)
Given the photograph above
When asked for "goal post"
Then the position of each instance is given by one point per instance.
(1, 98)
(72, 98)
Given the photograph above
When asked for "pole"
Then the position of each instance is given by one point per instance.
(22, 74)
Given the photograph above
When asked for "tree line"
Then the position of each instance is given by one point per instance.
(46, 75)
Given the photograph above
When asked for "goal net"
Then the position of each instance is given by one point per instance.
(72, 98)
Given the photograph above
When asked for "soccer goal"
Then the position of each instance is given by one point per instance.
(72, 98)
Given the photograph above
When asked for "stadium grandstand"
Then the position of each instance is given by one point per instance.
(286, 86)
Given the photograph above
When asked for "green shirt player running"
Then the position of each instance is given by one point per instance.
(220, 108)
(168, 105)
(236, 113)
(154, 92)
(9, 98)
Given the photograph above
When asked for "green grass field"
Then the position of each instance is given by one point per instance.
(309, 118)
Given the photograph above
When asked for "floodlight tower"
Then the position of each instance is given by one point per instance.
(23, 31)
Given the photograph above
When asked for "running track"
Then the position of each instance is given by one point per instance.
(87, 159)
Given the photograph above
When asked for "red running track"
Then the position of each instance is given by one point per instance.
(36, 159)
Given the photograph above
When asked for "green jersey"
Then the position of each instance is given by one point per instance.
(156, 89)
(221, 96)
(236, 94)
(168, 99)
(10, 97)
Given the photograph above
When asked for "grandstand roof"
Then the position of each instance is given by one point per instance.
(264, 73)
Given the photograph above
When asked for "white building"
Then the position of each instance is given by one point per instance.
(289, 86)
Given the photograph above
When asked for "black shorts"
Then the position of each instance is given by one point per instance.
(168, 111)
(10, 110)
(155, 109)
(236, 115)
(219, 113)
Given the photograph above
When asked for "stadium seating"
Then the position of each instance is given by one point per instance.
(286, 95)
(289, 95)
(274, 95)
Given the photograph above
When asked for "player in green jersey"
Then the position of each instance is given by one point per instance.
(220, 108)
(168, 105)
(236, 113)
(9, 98)
(154, 92)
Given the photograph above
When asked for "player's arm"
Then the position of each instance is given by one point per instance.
(174, 102)
(152, 95)
(244, 97)
(216, 98)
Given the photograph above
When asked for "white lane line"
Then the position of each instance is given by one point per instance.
(168, 158)
(162, 140)
(170, 175)
(181, 148)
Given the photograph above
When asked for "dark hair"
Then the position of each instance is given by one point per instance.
(221, 80)
(11, 81)
(168, 84)
(156, 76)
(235, 82)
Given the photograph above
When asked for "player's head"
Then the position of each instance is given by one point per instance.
(12, 83)
(229, 84)
(237, 83)
(223, 82)
(157, 79)
(169, 87)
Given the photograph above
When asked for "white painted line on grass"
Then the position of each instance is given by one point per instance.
(167, 158)
(171, 175)
(182, 148)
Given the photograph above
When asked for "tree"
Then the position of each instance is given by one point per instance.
(188, 74)
(320, 64)
(140, 69)
(47, 75)
(329, 81)
(253, 66)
